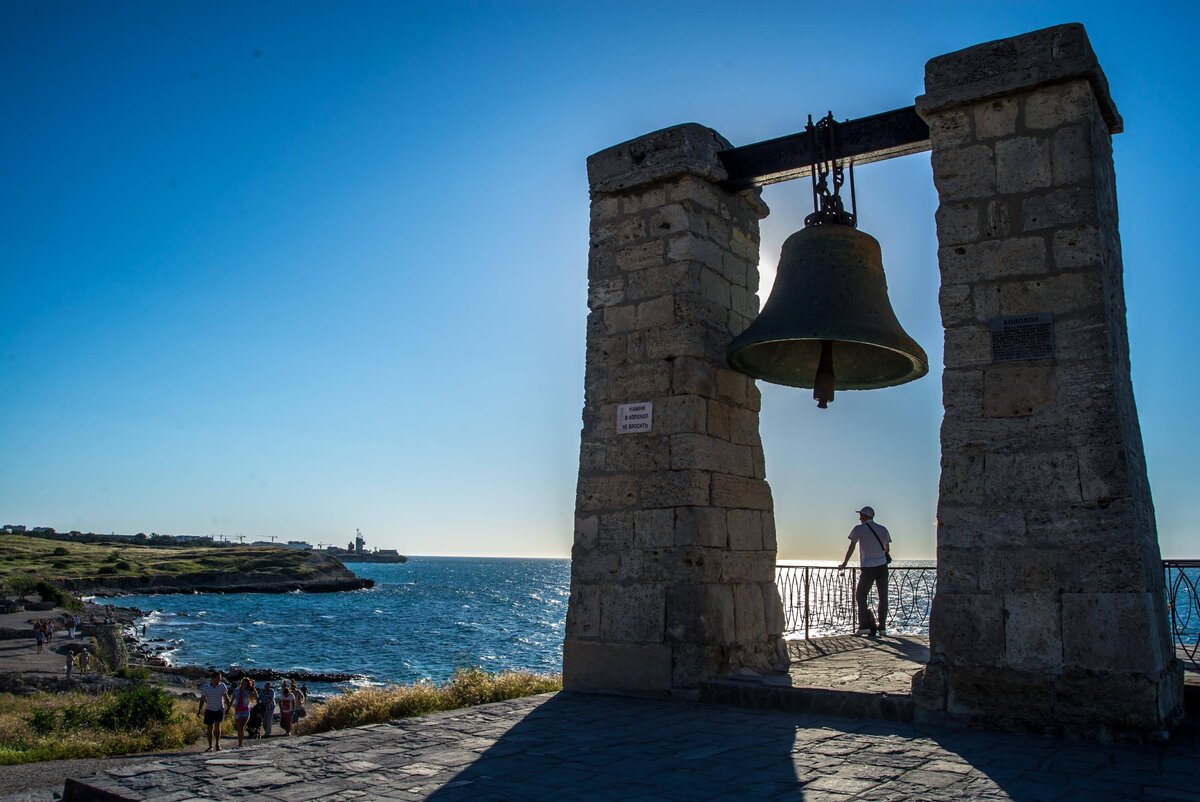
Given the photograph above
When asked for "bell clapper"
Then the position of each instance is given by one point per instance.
(824, 382)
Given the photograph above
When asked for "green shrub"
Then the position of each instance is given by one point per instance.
(67, 725)
(22, 585)
(137, 707)
(78, 716)
(43, 720)
(123, 565)
(60, 551)
(57, 595)
(113, 556)
(133, 672)
(106, 569)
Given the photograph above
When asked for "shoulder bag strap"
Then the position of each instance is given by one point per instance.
(876, 534)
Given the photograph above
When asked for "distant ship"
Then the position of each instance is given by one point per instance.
(356, 552)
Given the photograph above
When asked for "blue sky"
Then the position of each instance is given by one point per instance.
(295, 268)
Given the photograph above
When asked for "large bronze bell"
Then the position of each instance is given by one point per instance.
(828, 323)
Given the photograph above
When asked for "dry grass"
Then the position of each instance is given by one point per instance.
(468, 686)
(68, 725)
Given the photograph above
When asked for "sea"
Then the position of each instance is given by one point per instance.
(431, 615)
(422, 620)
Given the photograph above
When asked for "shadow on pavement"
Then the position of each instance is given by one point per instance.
(594, 747)
(590, 747)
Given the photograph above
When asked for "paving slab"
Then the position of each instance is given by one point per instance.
(848, 663)
(579, 746)
(851, 676)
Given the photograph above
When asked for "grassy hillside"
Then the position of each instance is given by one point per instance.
(25, 560)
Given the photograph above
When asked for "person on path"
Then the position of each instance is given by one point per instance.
(70, 663)
(40, 634)
(287, 706)
(71, 628)
(83, 661)
(214, 698)
(244, 698)
(301, 694)
(873, 543)
(268, 699)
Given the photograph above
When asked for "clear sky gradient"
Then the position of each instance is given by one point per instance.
(295, 268)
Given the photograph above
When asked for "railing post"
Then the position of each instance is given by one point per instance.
(850, 593)
(807, 609)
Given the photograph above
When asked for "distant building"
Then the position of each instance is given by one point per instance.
(42, 530)
(193, 539)
(388, 552)
(14, 529)
(298, 544)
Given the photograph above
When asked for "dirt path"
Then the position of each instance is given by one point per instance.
(21, 654)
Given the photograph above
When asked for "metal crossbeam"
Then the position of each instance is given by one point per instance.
(867, 139)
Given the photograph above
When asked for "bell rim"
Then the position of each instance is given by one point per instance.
(921, 366)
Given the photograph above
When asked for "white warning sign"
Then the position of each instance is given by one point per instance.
(635, 418)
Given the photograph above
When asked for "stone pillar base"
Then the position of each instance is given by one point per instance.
(1087, 703)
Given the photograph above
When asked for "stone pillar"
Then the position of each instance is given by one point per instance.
(1050, 609)
(673, 566)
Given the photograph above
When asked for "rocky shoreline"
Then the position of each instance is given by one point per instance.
(214, 582)
(119, 644)
(146, 653)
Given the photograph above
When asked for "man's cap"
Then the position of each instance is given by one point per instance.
(867, 511)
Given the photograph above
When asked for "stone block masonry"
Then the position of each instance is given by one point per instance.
(1050, 608)
(673, 564)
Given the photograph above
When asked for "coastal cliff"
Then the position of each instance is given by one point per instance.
(217, 582)
(107, 570)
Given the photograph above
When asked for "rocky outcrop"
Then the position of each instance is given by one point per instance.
(211, 582)
(319, 574)
(109, 644)
(256, 674)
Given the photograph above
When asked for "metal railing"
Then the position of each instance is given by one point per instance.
(818, 601)
(1182, 578)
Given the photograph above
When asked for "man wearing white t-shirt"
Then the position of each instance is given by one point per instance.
(214, 698)
(873, 543)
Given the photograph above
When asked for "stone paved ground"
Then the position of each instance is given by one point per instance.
(580, 747)
(848, 663)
